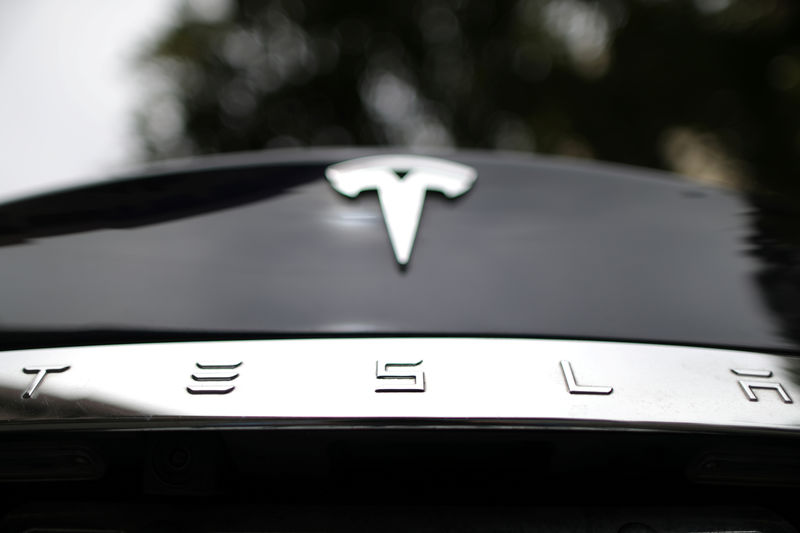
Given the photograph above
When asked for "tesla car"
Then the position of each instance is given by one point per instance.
(377, 340)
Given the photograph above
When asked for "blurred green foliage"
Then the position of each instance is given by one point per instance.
(708, 88)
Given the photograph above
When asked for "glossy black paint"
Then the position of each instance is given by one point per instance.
(260, 245)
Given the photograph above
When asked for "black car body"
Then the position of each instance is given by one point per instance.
(584, 346)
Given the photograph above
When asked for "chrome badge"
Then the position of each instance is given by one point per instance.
(401, 182)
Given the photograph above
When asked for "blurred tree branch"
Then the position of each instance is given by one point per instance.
(710, 88)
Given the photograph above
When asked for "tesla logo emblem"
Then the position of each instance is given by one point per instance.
(401, 182)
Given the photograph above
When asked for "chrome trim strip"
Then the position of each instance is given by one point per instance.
(459, 382)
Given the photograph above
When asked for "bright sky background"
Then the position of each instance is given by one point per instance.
(69, 88)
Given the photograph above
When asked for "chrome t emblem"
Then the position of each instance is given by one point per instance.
(401, 182)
